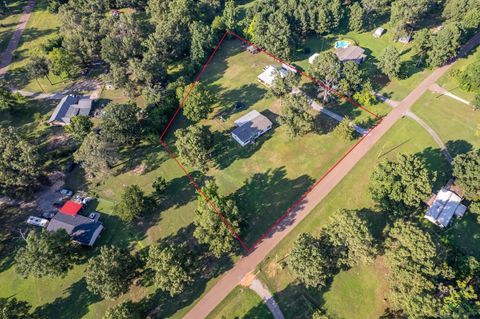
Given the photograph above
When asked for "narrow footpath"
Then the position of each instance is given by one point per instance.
(249, 262)
(7, 55)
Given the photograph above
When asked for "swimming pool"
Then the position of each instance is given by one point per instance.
(342, 44)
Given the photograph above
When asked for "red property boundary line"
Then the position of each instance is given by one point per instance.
(289, 210)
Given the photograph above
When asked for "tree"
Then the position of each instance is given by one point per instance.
(120, 123)
(416, 262)
(474, 208)
(46, 254)
(389, 62)
(461, 300)
(350, 235)
(462, 11)
(109, 274)
(423, 42)
(444, 45)
(312, 260)
(295, 115)
(466, 169)
(200, 43)
(198, 104)
(230, 15)
(63, 63)
(210, 229)
(132, 204)
(327, 68)
(366, 97)
(20, 166)
(173, 267)
(356, 18)
(352, 78)
(283, 85)
(125, 310)
(193, 145)
(9, 100)
(97, 155)
(469, 79)
(38, 68)
(79, 127)
(344, 130)
(402, 184)
(159, 185)
(405, 12)
(273, 33)
(12, 308)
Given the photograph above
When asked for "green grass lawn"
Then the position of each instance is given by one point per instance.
(43, 25)
(449, 82)
(455, 122)
(241, 303)
(9, 21)
(406, 136)
(269, 176)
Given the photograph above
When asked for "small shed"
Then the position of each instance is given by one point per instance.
(313, 57)
(252, 49)
(378, 32)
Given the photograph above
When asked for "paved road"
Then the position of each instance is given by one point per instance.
(248, 263)
(7, 55)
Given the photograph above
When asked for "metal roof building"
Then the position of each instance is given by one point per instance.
(70, 106)
(82, 229)
(445, 205)
(250, 127)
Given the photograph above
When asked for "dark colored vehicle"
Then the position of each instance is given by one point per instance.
(239, 105)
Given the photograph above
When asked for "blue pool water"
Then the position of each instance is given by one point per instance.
(341, 44)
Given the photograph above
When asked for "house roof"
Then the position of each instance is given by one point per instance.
(70, 106)
(250, 125)
(71, 208)
(445, 205)
(82, 229)
(270, 72)
(350, 53)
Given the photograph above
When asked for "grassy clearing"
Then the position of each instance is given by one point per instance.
(406, 136)
(43, 25)
(241, 303)
(9, 21)
(267, 177)
(455, 122)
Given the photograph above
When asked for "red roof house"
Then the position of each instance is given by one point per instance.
(71, 208)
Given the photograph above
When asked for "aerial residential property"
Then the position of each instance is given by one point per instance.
(286, 159)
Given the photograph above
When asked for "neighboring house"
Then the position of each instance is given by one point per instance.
(313, 57)
(70, 106)
(250, 127)
(378, 32)
(82, 229)
(270, 72)
(444, 206)
(351, 53)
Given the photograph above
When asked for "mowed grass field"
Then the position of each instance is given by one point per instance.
(267, 177)
(241, 303)
(368, 282)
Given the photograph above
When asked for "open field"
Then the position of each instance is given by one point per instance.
(269, 176)
(241, 303)
(9, 21)
(352, 193)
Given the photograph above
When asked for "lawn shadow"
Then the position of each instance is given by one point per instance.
(265, 197)
(217, 67)
(74, 305)
(297, 301)
(458, 147)
(248, 94)
(142, 158)
(435, 162)
(324, 124)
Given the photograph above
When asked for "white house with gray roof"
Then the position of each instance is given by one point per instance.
(445, 205)
(251, 126)
(70, 106)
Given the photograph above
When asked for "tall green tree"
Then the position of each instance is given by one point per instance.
(79, 127)
(63, 63)
(327, 68)
(45, 254)
(194, 144)
(210, 229)
(466, 169)
(356, 17)
(110, 273)
(38, 68)
(8, 100)
(199, 103)
(273, 33)
(12, 308)
(125, 310)
(389, 62)
(408, 11)
(119, 123)
(352, 78)
(344, 130)
(444, 45)
(230, 13)
(402, 184)
(296, 116)
(173, 267)
(97, 155)
(283, 85)
(132, 204)
(366, 97)
(201, 43)
(20, 166)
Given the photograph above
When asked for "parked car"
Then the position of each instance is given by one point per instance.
(66, 192)
(59, 203)
(239, 105)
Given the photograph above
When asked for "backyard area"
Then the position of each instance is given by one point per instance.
(406, 136)
(268, 176)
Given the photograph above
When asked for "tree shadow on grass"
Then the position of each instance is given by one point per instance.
(148, 155)
(265, 197)
(324, 124)
(435, 162)
(74, 305)
(297, 301)
(458, 147)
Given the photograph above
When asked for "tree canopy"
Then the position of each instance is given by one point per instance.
(194, 144)
(125, 310)
(296, 116)
(120, 123)
(132, 204)
(199, 103)
(79, 127)
(12, 308)
(466, 169)
(97, 155)
(389, 62)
